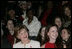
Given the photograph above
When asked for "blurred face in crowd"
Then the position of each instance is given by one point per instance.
(67, 12)
(11, 12)
(43, 31)
(23, 6)
(23, 35)
(30, 14)
(10, 25)
(65, 35)
(53, 33)
(58, 22)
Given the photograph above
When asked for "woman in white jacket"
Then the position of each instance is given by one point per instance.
(25, 41)
(32, 24)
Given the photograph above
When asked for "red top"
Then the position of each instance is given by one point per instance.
(10, 39)
(50, 45)
(46, 14)
(21, 18)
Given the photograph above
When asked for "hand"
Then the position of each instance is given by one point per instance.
(64, 46)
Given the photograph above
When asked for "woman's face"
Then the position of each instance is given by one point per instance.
(30, 14)
(23, 35)
(58, 22)
(43, 32)
(10, 25)
(67, 11)
(53, 33)
(65, 34)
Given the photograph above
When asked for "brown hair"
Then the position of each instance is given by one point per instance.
(47, 38)
(66, 29)
(24, 27)
(18, 28)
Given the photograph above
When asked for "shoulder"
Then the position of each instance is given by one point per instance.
(36, 20)
(35, 44)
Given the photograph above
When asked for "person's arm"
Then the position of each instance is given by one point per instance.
(64, 45)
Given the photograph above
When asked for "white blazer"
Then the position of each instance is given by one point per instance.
(33, 27)
(32, 44)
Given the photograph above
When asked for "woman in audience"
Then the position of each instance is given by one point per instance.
(66, 38)
(10, 31)
(67, 16)
(32, 23)
(58, 21)
(25, 42)
(41, 36)
(51, 37)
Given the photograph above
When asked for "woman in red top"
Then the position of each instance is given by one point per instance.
(50, 36)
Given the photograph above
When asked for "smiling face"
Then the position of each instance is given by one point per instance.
(53, 33)
(23, 35)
